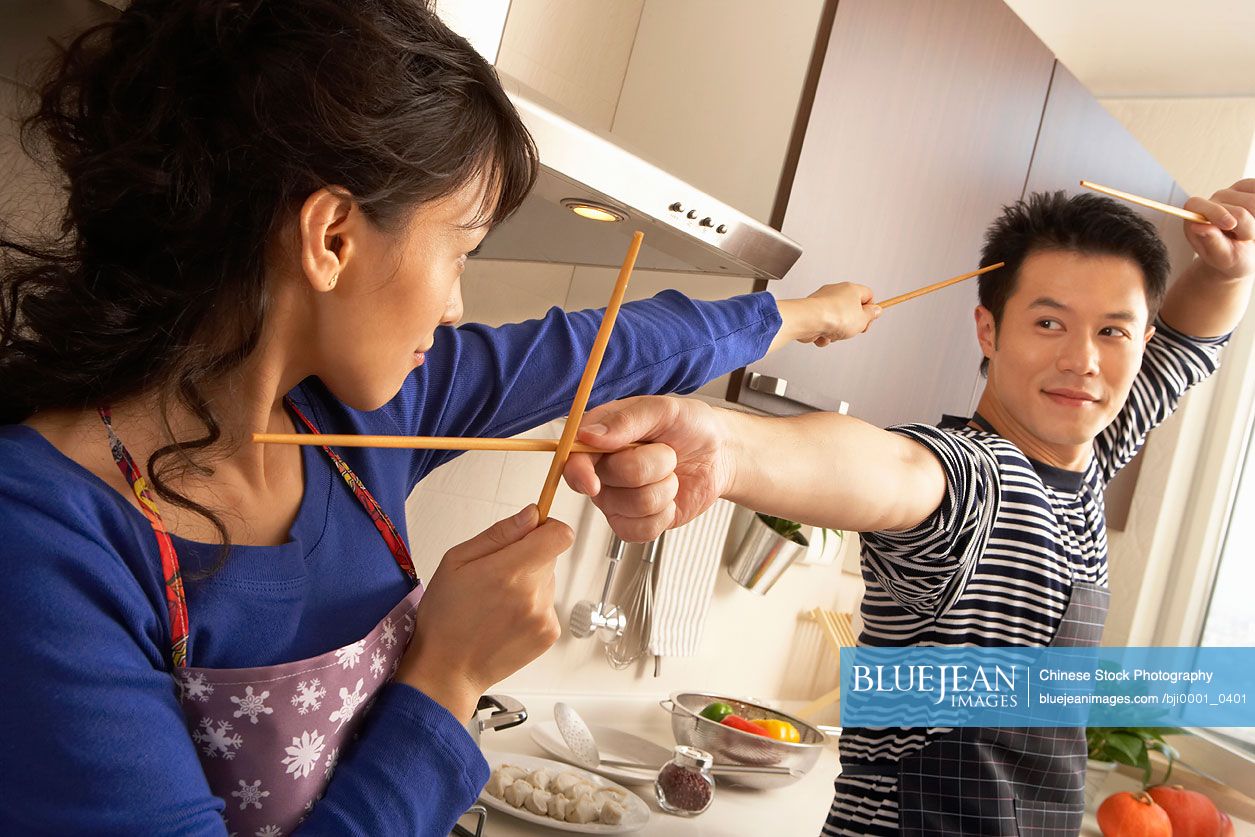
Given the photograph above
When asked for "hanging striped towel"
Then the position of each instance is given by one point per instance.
(688, 564)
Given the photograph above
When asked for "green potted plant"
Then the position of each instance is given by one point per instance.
(770, 545)
(825, 546)
(785, 528)
(1109, 746)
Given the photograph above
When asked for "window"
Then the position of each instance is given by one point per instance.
(1230, 621)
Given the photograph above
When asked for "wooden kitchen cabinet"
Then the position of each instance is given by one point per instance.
(928, 117)
(705, 89)
(922, 128)
(1079, 140)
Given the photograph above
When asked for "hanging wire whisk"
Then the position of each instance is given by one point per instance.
(633, 643)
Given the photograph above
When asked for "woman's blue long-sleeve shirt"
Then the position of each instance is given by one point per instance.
(92, 739)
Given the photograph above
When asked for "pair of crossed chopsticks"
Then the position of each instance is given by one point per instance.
(564, 446)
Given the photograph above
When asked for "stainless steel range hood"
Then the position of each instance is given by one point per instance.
(685, 229)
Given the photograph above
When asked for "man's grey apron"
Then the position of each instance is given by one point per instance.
(1004, 782)
(1027, 781)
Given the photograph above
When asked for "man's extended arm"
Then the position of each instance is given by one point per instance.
(822, 468)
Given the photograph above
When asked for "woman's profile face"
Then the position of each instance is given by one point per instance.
(395, 288)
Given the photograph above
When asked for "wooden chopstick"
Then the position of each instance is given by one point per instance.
(421, 442)
(819, 703)
(846, 629)
(818, 615)
(585, 389)
(936, 286)
(1106, 190)
(831, 619)
(1188, 215)
(831, 626)
(838, 625)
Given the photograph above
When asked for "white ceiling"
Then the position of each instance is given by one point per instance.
(1124, 48)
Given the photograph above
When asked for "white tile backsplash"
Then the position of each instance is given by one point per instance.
(524, 473)
(474, 474)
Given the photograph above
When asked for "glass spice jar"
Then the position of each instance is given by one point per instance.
(684, 785)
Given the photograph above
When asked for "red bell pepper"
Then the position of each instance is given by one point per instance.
(737, 722)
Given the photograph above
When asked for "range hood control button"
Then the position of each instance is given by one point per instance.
(706, 222)
(675, 207)
(692, 213)
(721, 229)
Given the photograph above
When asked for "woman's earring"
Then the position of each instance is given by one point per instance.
(335, 277)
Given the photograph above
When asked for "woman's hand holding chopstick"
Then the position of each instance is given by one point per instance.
(834, 312)
(844, 310)
(507, 571)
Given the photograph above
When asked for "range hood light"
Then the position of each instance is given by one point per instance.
(592, 211)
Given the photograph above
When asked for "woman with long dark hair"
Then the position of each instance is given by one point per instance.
(269, 204)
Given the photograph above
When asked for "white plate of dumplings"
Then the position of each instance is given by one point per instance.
(570, 800)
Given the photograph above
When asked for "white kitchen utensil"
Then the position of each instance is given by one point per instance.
(635, 818)
(617, 745)
(576, 735)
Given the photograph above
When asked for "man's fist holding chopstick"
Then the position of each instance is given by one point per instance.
(1225, 245)
(1211, 295)
(680, 469)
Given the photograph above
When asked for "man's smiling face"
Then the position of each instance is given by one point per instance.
(1070, 343)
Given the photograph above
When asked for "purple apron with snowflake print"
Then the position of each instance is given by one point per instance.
(269, 737)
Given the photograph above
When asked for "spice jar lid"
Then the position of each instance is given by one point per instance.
(692, 757)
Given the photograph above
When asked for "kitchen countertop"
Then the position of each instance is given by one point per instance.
(798, 809)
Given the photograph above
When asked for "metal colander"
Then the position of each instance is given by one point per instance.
(732, 746)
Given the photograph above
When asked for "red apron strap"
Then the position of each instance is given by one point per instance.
(176, 597)
(396, 544)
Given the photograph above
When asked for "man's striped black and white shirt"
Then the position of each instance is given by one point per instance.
(994, 564)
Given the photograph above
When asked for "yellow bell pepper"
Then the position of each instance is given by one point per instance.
(780, 730)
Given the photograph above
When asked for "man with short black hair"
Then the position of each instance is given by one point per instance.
(1086, 224)
(988, 531)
